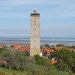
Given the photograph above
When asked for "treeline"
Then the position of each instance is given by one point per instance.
(66, 60)
(20, 61)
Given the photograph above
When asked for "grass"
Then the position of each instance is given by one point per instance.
(11, 72)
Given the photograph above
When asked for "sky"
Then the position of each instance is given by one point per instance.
(57, 17)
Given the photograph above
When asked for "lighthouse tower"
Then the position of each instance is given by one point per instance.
(35, 33)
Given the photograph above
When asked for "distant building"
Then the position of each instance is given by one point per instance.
(1, 46)
(35, 33)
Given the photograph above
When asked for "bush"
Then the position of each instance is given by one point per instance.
(60, 45)
(47, 45)
(42, 61)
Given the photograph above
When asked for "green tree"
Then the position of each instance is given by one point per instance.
(7, 55)
(47, 45)
(73, 47)
(2, 49)
(66, 59)
(60, 45)
(20, 60)
(42, 61)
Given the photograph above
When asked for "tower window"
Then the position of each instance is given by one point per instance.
(35, 35)
(34, 29)
(34, 46)
(34, 21)
(34, 18)
(34, 40)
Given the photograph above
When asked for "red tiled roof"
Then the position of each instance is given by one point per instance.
(1, 46)
(48, 50)
(54, 61)
(69, 48)
(59, 48)
(20, 47)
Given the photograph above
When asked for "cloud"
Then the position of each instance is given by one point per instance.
(31, 2)
(55, 12)
(64, 9)
(14, 15)
(48, 8)
(16, 31)
(60, 7)
(58, 30)
(19, 2)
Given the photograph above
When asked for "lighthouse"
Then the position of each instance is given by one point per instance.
(34, 33)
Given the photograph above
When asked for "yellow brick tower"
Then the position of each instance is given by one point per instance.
(35, 33)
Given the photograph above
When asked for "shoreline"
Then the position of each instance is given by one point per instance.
(43, 40)
(27, 42)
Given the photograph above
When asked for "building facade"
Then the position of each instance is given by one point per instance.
(35, 33)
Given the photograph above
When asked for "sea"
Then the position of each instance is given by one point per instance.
(43, 40)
